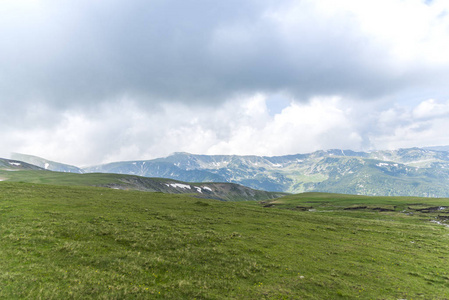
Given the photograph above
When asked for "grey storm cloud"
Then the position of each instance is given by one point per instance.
(94, 81)
(69, 53)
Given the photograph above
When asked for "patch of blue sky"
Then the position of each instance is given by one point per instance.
(276, 103)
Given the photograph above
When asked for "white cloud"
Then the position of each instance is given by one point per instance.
(245, 126)
(298, 128)
(431, 109)
(402, 127)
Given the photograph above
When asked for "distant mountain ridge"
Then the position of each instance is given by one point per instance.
(46, 164)
(403, 172)
(155, 168)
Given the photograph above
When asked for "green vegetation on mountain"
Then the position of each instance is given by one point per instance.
(82, 242)
(211, 190)
(403, 172)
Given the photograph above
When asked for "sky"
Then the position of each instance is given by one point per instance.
(88, 82)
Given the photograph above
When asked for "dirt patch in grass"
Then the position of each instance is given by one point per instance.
(431, 209)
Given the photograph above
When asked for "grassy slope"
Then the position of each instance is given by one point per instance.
(83, 242)
(222, 191)
(50, 177)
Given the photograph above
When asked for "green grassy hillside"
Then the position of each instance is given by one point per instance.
(210, 190)
(78, 242)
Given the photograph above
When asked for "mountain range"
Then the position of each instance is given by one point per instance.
(403, 172)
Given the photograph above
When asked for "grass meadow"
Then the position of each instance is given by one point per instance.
(77, 242)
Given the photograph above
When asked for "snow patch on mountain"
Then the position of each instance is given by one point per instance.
(179, 185)
(386, 165)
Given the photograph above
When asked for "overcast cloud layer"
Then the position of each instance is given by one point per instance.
(86, 82)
